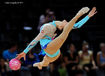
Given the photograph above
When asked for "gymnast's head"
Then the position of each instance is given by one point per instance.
(61, 24)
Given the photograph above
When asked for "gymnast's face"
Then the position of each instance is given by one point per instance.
(62, 25)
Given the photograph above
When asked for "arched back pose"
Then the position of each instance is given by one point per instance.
(52, 47)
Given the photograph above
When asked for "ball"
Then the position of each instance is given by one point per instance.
(15, 64)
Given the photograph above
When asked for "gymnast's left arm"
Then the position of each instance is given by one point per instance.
(81, 23)
(84, 20)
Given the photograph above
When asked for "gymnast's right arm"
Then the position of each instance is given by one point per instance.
(33, 43)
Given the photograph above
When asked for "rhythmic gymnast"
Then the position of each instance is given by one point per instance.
(52, 46)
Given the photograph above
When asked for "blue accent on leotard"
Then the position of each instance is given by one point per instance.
(42, 53)
(53, 55)
(80, 23)
(46, 41)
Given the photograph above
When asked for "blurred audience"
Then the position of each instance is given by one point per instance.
(87, 62)
(3, 67)
(68, 64)
(79, 73)
(71, 59)
(55, 66)
(50, 17)
(62, 70)
(45, 18)
(32, 58)
(42, 18)
(101, 57)
(10, 53)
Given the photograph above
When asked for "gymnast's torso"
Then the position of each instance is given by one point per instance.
(50, 29)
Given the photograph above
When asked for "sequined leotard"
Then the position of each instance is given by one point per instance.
(47, 33)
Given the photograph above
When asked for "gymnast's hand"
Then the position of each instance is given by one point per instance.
(19, 56)
(92, 12)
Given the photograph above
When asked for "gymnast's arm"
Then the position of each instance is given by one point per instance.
(33, 43)
(78, 24)
(84, 20)
(81, 22)
(42, 33)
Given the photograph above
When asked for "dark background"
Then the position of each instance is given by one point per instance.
(13, 17)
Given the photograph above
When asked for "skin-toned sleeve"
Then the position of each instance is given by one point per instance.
(36, 40)
(81, 22)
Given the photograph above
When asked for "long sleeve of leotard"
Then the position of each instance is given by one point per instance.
(80, 23)
(35, 41)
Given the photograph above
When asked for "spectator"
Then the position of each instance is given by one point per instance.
(11, 52)
(71, 59)
(86, 58)
(31, 58)
(79, 73)
(42, 19)
(3, 68)
(101, 57)
(54, 67)
(62, 70)
(48, 17)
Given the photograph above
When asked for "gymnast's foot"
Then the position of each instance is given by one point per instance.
(39, 65)
(83, 11)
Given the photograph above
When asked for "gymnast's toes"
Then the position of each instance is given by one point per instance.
(38, 65)
(83, 11)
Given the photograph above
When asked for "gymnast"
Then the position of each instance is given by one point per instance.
(47, 32)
